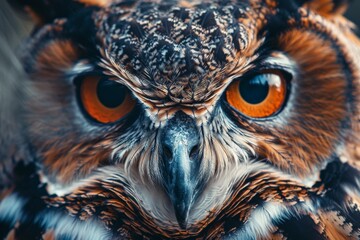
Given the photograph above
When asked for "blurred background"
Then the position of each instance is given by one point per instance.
(353, 13)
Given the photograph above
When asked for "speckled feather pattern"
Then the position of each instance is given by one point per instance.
(179, 52)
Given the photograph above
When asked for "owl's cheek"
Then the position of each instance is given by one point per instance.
(312, 125)
(65, 161)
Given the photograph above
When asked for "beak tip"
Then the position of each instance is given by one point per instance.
(182, 222)
(183, 225)
(182, 214)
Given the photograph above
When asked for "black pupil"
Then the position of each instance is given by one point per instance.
(254, 90)
(111, 94)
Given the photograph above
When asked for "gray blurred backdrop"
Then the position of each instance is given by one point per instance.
(354, 13)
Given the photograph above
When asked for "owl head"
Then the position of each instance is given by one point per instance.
(186, 102)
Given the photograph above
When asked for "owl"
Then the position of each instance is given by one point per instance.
(179, 119)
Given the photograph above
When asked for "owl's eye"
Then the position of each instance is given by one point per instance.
(104, 100)
(259, 96)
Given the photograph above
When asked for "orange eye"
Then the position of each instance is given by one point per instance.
(260, 96)
(104, 100)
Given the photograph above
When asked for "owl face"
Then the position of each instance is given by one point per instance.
(183, 101)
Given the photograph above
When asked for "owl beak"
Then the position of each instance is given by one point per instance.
(179, 168)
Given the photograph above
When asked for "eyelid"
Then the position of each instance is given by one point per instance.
(277, 61)
(280, 61)
(265, 70)
(83, 69)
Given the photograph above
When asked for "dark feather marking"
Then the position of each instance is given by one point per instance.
(300, 228)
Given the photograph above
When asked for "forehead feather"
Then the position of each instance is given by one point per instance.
(168, 40)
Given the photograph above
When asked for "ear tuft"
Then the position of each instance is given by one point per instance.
(327, 8)
(45, 11)
(99, 3)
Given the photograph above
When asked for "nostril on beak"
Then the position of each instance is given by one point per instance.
(167, 153)
(194, 151)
